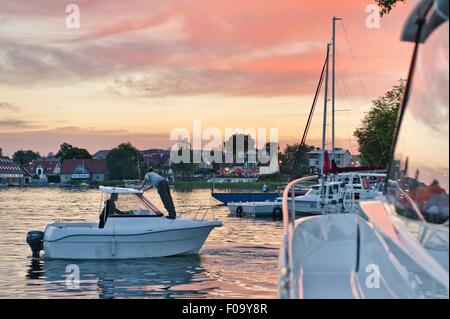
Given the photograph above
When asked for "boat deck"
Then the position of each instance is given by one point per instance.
(317, 240)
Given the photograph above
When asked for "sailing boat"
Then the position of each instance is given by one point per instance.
(339, 189)
(333, 193)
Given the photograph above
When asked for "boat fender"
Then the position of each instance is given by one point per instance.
(277, 213)
(239, 211)
(35, 239)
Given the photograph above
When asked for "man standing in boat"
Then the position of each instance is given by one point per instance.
(155, 180)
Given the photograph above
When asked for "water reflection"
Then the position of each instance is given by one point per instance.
(171, 277)
(36, 269)
(239, 260)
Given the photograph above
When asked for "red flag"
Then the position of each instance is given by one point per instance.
(326, 164)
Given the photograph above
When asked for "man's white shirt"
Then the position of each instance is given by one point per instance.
(153, 178)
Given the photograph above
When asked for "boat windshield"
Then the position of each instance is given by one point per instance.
(418, 179)
(132, 204)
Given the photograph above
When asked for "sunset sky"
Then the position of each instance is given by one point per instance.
(135, 70)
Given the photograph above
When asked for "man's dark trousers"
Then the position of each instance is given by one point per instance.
(166, 197)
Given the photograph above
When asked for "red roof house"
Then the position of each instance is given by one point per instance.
(10, 172)
(44, 168)
(83, 169)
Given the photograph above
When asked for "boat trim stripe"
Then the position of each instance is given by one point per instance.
(139, 234)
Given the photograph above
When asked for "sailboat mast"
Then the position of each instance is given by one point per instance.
(324, 129)
(333, 81)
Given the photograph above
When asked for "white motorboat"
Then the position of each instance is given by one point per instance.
(341, 193)
(313, 201)
(130, 227)
(256, 209)
(397, 244)
(307, 204)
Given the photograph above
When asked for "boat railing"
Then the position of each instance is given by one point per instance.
(69, 220)
(199, 212)
(288, 225)
(290, 191)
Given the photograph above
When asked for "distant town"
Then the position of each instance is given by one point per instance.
(73, 166)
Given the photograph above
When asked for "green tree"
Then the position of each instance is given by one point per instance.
(232, 144)
(287, 157)
(124, 162)
(376, 131)
(22, 157)
(183, 169)
(67, 151)
(387, 5)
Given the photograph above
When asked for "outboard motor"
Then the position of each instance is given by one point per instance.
(35, 239)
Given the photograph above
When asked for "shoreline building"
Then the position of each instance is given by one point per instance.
(343, 158)
(83, 170)
(47, 170)
(10, 172)
(100, 155)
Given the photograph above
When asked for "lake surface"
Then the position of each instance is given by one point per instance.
(239, 260)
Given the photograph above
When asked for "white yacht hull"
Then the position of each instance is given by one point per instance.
(339, 256)
(306, 206)
(254, 209)
(265, 209)
(90, 242)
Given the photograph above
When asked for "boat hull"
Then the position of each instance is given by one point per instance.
(254, 209)
(103, 244)
(270, 209)
(307, 207)
(226, 198)
(342, 256)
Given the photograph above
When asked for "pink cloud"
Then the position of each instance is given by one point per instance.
(219, 45)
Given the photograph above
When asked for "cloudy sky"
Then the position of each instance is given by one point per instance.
(135, 70)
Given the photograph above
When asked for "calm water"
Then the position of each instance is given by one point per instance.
(239, 260)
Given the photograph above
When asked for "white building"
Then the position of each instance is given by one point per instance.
(44, 169)
(343, 158)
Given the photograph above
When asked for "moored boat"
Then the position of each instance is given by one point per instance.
(226, 198)
(256, 209)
